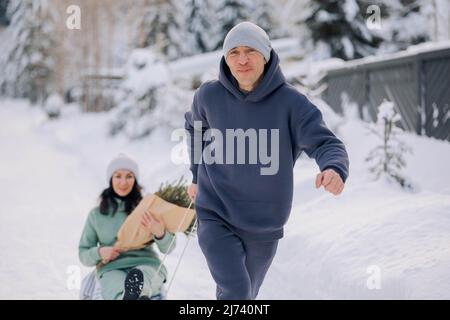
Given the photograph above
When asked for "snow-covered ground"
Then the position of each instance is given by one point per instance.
(374, 241)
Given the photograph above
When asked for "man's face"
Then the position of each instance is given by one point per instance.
(246, 65)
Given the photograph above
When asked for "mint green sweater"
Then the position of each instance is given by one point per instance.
(101, 230)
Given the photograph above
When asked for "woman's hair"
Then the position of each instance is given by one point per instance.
(131, 200)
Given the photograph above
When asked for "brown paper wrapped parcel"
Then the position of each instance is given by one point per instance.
(132, 235)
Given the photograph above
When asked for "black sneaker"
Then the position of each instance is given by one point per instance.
(134, 283)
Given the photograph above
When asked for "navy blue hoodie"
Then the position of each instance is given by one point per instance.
(253, 205)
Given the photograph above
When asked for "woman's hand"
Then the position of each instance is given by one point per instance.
(152, 225)
(108, 254)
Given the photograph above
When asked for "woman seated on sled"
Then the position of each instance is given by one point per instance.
(133, 274)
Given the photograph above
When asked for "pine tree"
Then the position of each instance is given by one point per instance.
(145, 101)
(340, 27)
(3, 18)
(30, 57)
(137, 116)
(405, 23)
(263, 15)
(164, 29)
(133, 116)
(200, 22)
(230, 13)
(388, 157)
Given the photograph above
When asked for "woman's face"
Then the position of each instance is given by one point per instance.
(123, 182)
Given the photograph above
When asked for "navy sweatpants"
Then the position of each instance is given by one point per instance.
(238, 266)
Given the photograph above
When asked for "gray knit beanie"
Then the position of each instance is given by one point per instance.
(250, 35)
(122, 161)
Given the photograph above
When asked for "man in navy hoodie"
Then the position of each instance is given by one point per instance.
(243, 195)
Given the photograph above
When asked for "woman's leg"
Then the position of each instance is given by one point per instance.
(112, 284)
(152, 281)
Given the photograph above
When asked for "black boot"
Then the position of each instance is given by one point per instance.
(134, 283)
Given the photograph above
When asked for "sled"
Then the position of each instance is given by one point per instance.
(92, 290)
(132, 237)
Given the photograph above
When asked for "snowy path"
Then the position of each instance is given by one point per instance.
(52, 173)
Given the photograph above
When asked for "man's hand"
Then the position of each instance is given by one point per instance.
(192, 191)
(331, 181)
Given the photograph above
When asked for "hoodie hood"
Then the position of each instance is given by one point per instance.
(272, 79)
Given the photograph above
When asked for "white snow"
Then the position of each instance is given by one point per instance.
(441, 20)
(348, 47)
(386, 111)
(410, 51)
(351, 10)
(53, 104)
(53, 172)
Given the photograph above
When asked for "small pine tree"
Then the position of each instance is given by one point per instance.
(230, 13)
(388, 157)
(176, 193)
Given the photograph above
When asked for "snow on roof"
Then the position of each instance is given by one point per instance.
(197, 64)
(410, 51)
(103, 72)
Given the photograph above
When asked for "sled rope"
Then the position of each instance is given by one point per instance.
(181, 256)
(171, 245)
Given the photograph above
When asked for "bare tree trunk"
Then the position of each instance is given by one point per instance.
(97, 55)
(86, 27)
(130, 16)
(60, 56)
(109, 33)
(86, 52)
(142, 31)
